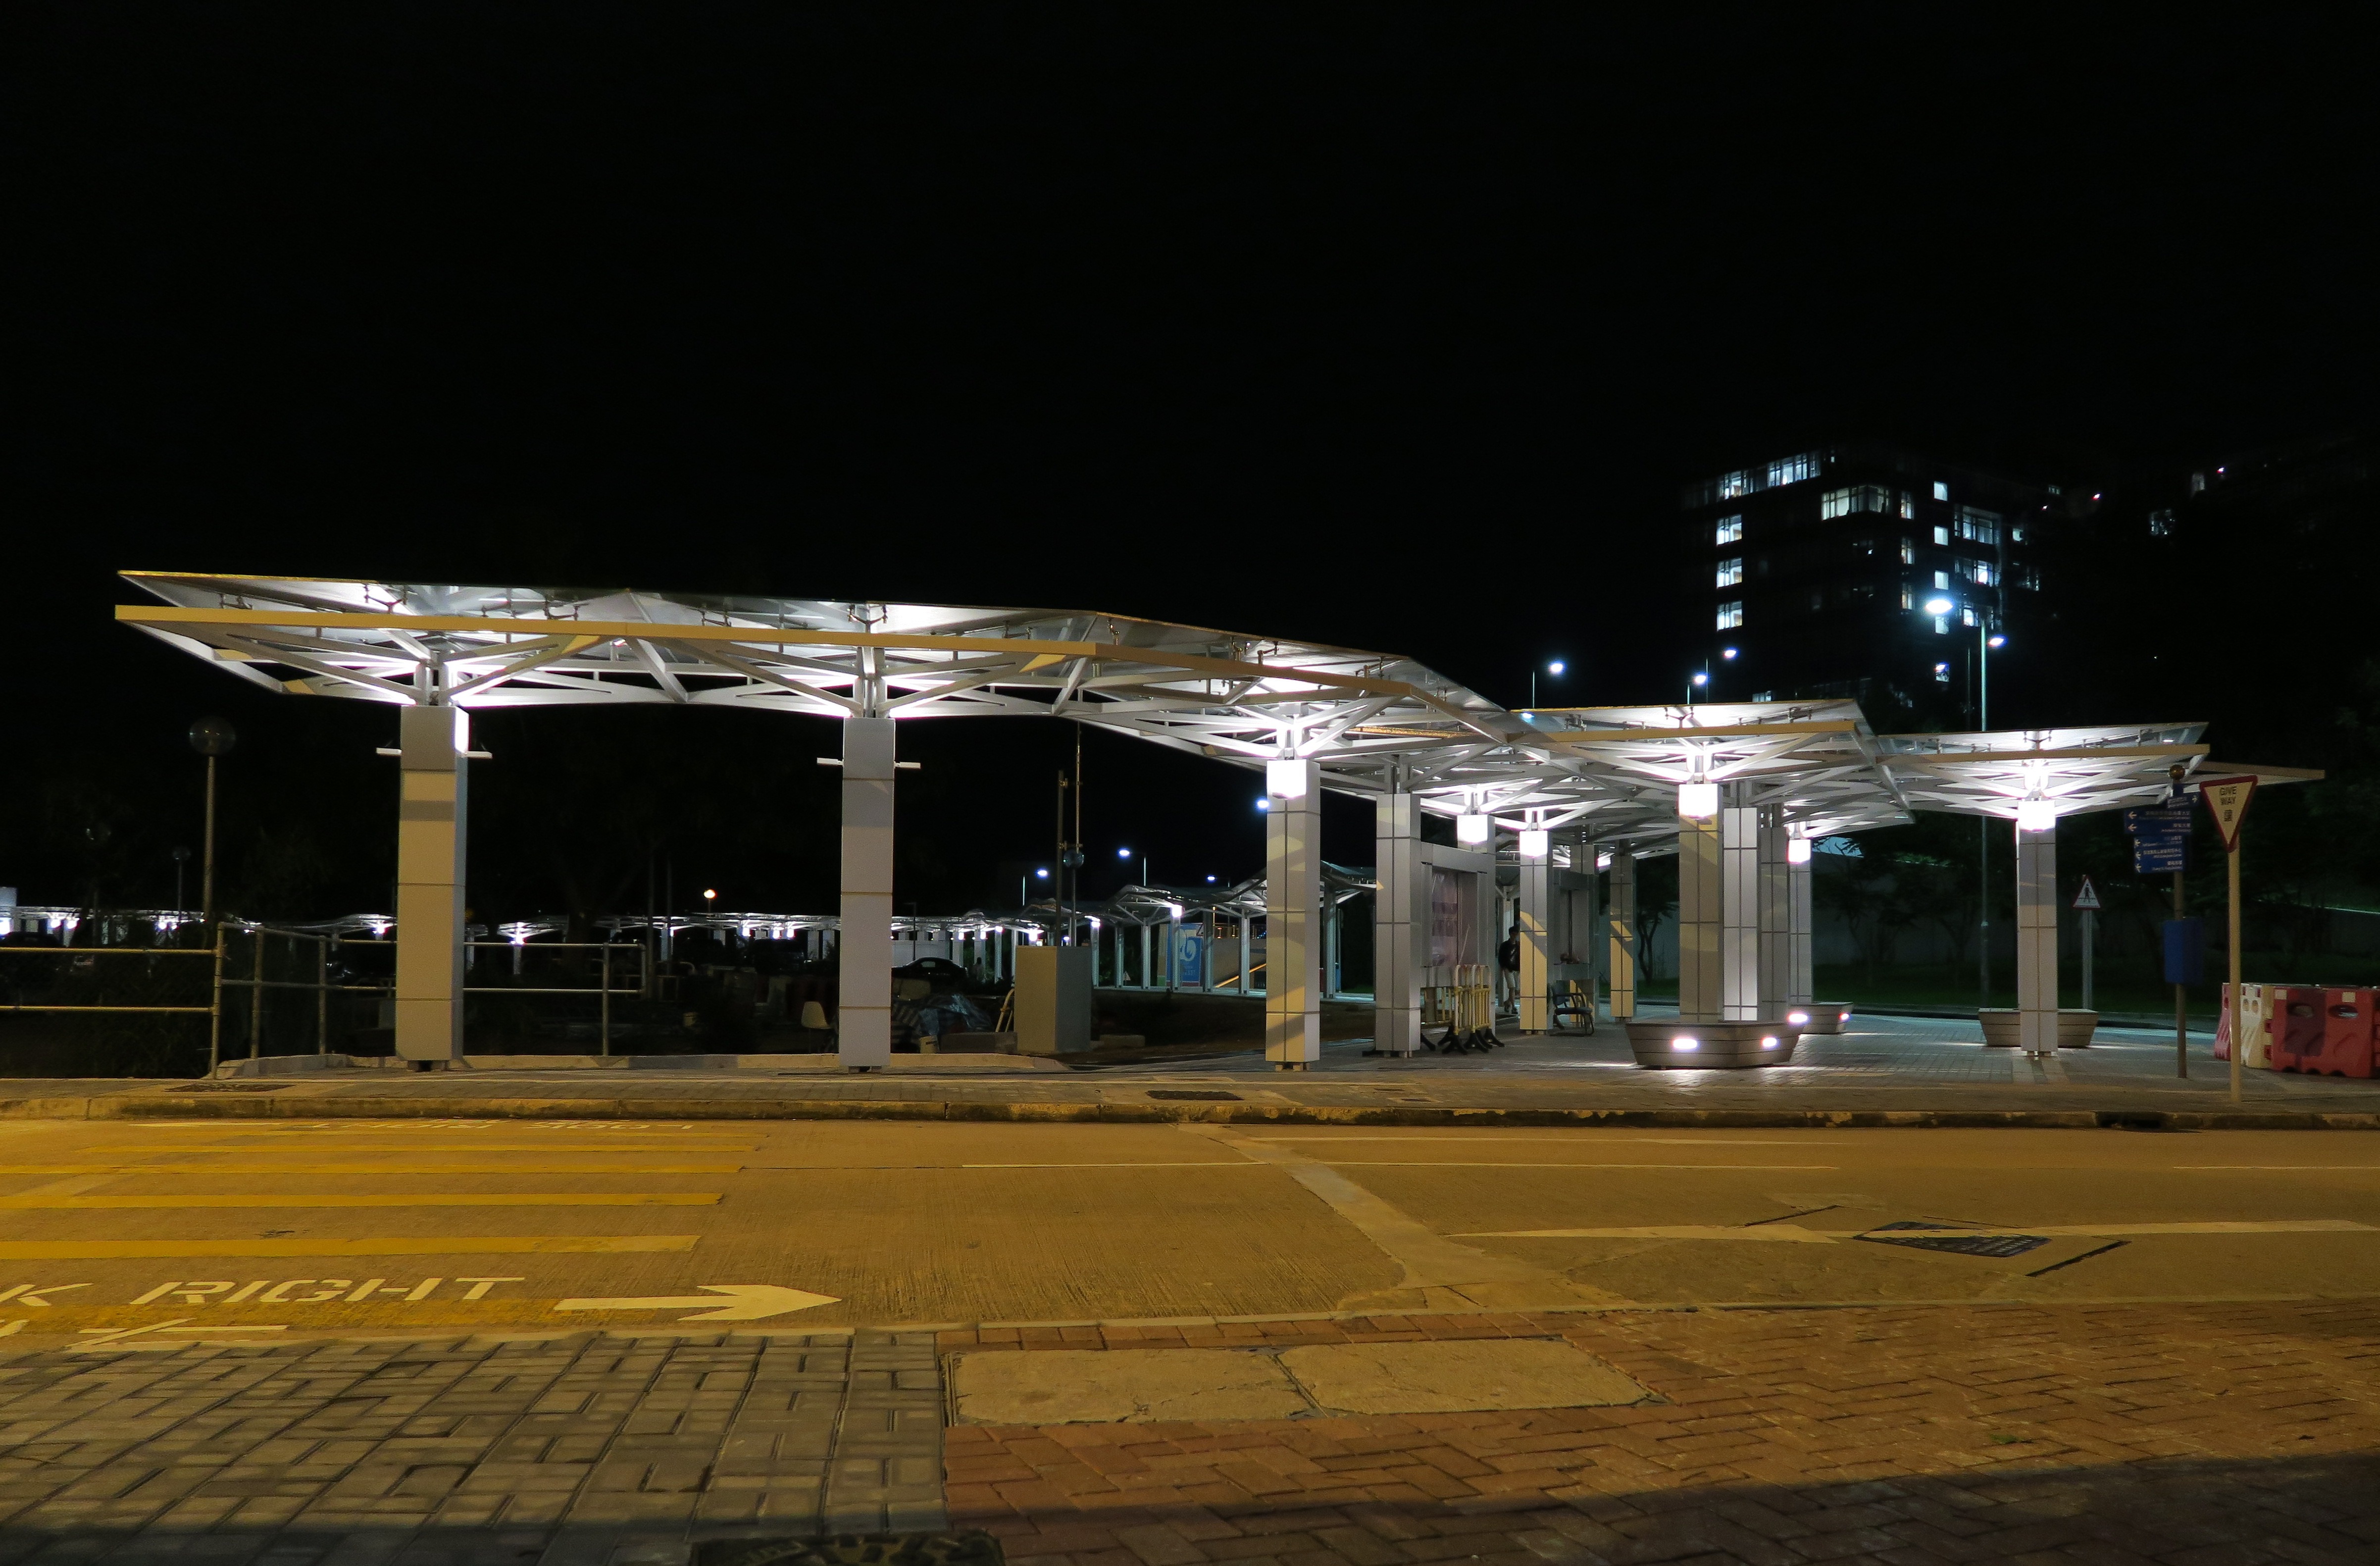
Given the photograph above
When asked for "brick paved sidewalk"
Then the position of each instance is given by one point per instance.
(2178, 1433)
(588, 1449)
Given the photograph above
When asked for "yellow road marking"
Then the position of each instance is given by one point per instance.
(504, 1167)
(383, 1199)
(1517, 1164)
(122, 1148)
(1791, 1232)
(455, 1245)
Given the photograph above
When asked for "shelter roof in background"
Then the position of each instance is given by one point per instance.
(1372, 721)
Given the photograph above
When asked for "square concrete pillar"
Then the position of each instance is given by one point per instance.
(1532, 930)
(1700, 918)
(1739, 826)
(1801, 987)
(2036, 941)
(1293, 915)
(1620, 920)
(864, 968)
(1396, 973)
(1776, 916)
(431, 836)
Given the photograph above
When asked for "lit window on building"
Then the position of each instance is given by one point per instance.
(2025, 577)
(1860, 497)
(2016, 534)
(1794, 470)
(1764, 695)
(1941, 625)
(1907, 601)
(1751, 481)
(1941, 491)
(1942, 674)
(1908, 551)
(1728, 531)
(1984, 573)
(1982, 526)
(1908, 507)
(1941, 535)
(2160, 524)
(1731, 572)
(1967, 616)
(1730, 614)
(1942, 580)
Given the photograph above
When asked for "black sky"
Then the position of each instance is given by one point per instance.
(1393, 326)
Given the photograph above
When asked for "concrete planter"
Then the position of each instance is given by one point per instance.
(2075, 1027)
(1669, 1044)
(1820, 1017)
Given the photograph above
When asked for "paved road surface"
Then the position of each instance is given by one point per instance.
(503, 1343)
(168, 1229)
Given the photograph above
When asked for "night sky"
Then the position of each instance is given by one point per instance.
(1395, 327)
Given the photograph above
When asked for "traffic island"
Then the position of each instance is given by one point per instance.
(1702, 1047)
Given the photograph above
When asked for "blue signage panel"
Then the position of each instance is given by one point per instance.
(2185, 951)
(2160, 837)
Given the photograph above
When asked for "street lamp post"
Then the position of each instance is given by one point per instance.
(211, 736)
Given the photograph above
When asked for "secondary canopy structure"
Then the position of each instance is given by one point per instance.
(1636, 781)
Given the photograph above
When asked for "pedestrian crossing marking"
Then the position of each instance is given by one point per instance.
(410, 1246)
(378, 1199)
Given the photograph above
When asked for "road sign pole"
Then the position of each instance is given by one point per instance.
(2087, 917)
(2181, 1004)
(2239, 1039)
(2227, 800)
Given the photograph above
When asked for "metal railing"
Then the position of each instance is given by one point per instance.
(257, 985)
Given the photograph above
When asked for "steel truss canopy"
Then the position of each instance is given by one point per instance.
(1373, 722)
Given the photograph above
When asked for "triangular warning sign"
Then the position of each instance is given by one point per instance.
(2087, 899)
(2228, 799)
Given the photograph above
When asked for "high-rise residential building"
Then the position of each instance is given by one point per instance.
(1863, 571)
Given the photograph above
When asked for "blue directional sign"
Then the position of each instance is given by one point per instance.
(2160, 837)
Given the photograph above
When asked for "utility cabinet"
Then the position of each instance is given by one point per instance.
(1053, 999)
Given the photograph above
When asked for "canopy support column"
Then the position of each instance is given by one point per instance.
(1775, 914)
(432, 840)
(2036, 940)
(1294, 915)
(1396, 979)
(1621, 919)
(1530, 928)
(864, 967)
(1801, 987)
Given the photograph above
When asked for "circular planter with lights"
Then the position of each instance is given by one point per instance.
(2002, 1024)
(1819, 1017)
(1673, 1046)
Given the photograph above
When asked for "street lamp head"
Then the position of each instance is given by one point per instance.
(212, 737)
(709, 895)
(1702, 679)
(1995, 640)
(1123, 853)
(1727, 652)
(1555, 667)
(1042, 875)
(1939, 606)
(1210, 880)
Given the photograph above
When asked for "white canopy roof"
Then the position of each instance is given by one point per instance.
(1372, 721)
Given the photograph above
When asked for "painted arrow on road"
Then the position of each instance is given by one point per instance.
(743, 1301)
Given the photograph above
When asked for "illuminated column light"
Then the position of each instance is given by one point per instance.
(1285, 780)
(2035, 815)
(1534, 843)
(1698, 800)
(1797, 851)
(1471, 829)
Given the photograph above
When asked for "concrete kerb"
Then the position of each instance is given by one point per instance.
(144, 1105)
